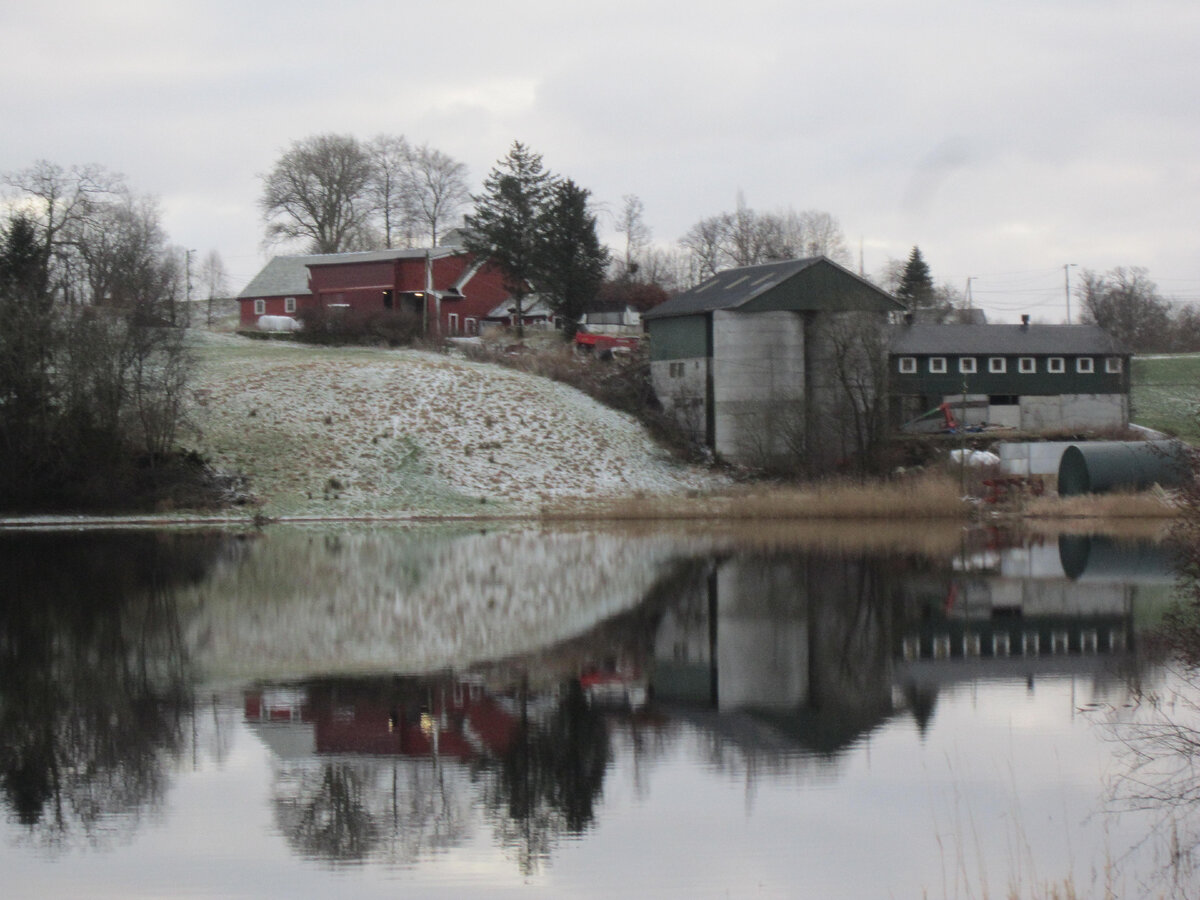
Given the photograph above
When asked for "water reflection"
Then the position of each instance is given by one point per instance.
(393, 767)
(416, 692)
(95, 688)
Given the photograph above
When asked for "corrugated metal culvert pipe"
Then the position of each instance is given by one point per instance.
(1096, 468)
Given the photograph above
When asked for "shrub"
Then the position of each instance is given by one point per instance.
(394, 328)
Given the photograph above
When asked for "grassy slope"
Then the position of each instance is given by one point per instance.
(350, 432)
(1166, 394)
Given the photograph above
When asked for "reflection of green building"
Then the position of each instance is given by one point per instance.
(1065, 608)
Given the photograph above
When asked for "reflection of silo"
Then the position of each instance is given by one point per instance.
(762, 628)
(1100, 558)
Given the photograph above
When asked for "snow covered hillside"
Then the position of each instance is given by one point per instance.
(296, 602)
(360, 432)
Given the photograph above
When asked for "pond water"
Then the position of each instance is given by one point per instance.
(583, 712)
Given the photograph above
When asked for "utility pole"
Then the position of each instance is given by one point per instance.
(187, 288)
(1067, 287)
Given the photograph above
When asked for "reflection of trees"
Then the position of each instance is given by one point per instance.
(328, 816)
(94, 688)
(1159, 738)
(550, 779)
(394, 809)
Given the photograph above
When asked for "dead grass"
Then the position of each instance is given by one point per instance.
(924, 497)
(1120, 505)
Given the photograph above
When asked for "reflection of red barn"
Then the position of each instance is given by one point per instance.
(446, 286)
(462, 722)
(276, 705)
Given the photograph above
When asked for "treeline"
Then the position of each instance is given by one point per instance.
(331, 193)
(335, 193)
(93, 364)
(1127, 304)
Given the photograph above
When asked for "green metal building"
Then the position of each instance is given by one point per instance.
(1027, 377)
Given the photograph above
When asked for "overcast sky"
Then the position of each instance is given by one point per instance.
(1006, 139)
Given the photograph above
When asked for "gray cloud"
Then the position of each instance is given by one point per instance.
(1000, 137)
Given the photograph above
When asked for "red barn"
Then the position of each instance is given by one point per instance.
(452, 291)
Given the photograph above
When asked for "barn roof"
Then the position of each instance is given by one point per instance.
(283, 276)
(287, 276)
(815, 283)
(1012, 340)
(340, 259)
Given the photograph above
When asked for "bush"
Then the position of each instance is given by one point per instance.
(391, 327)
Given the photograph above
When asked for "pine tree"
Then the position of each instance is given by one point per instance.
(508, 218)
(916, 284)
(572, 260)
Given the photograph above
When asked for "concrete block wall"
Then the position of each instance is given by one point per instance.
(1074, 411)
(758, 378)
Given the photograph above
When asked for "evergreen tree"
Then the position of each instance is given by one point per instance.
(572, 260)
(508, 220)
(916, 284)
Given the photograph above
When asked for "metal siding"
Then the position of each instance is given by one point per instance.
(685, 337)
(1039, 383)
(822, 288)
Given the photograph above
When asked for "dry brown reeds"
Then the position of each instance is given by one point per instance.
(1117, 505)
(922, 497)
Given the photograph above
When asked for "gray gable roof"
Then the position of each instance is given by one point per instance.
(283, 276)
(790, 284)
(1004, 340)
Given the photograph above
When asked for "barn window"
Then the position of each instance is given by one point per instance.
(908, 365)
(966, 365)
(997, 365)
(937, 365)
(1026, 365)
(676, 370)
(1055, 365)
(1085, 365)
(289, 304)
(453, 320)
(472, 326)
(1112, 365)
(260, 307)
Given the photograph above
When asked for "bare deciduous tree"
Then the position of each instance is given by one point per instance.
(857, 408)
(59, 202)
(705, 243)
(337, 194)
(94, 373)
(631, 223)
(319, 193)
(745, 237)
(438, 191)
(390, 187)
(1127, 304)
(213, 280)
